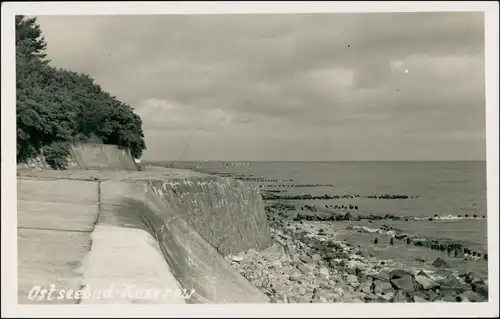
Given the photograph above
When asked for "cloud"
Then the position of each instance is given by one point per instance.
(274, 80)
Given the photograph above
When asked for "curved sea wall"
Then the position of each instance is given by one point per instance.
(198, 268)
(227, 213)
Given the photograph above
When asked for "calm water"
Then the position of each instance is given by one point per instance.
(443, 188)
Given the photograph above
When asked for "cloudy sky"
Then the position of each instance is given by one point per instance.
(289, 86)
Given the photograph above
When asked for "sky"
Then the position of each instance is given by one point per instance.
(333, 86)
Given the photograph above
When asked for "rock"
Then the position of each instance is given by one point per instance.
(370, 296)
(399, 273)
(419, 299)
(387, 297)
(382, 276)
(401, 236)
(276, 264)
(404, 283)
(295, 276)
(425, 282)
(236, 258)
(454, 283)
(307, 298)
(440, 263)
(319, 299)
(305, 269)
(431, 295)
(400, 296)
(449, 299)
(352, 278)
(481, 289)
(324, 273)
(441, 274)
(471, 296)
(473, 278)
(423, 273)
(379, 286)
(316, 257)
(306, 259)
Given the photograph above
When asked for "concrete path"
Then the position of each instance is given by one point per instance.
(59, 245)
(55, 221)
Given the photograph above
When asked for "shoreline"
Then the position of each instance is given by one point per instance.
(307, 264)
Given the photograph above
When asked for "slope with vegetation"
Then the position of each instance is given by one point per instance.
(57, 108)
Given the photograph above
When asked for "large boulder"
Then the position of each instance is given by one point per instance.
(425, 283)
(382, 276)
(470, 296)
(440, 263)
(481, 289)
(401, 296)
(403, 283)
(399, 273)
(379, 286)
(473, 278)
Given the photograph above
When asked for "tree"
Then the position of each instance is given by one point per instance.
(57, 107)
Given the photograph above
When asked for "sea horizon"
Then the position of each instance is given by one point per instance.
(311, 161)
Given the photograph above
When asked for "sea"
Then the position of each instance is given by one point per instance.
(447, 190)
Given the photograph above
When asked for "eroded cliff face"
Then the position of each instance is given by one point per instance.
(227, 213)
(88, 157)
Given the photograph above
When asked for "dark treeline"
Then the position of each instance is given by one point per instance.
(56, 107)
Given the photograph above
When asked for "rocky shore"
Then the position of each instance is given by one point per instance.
(307, 264)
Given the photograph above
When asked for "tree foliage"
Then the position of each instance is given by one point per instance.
(58, 107)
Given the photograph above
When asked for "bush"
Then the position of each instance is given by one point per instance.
(56, 154)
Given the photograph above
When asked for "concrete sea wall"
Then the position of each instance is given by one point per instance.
(100, 156)
(227, 213)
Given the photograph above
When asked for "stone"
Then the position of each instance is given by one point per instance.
(481, 289)
(370, 296)
(423, 273)
(236, 258)
(307, 298)
(305, 269)
(306, 259)
(471, 296)
(352, 278)
(441, 274)
(400, 296)
(382, 276)
(404, 283)
(316, 257)
(319, 299)
(419, 299)
(324, 271)
(399, 273)
(425, 282)
(449, 299)
(386, 298)
(473, 278)
(440, 263)
(379, 286)
(454, 283)
(277, 264)
(295, 276)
